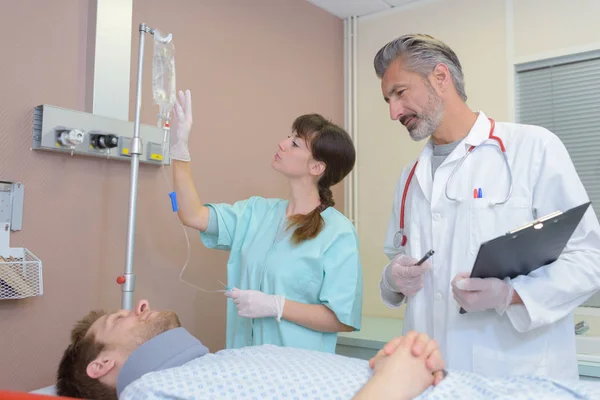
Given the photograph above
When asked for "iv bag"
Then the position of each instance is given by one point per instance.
(163, 75)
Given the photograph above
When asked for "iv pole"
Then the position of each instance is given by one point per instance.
(127, 281)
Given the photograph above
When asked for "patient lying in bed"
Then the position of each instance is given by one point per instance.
(146, 354)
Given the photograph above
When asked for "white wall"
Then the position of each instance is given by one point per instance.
(488, 37)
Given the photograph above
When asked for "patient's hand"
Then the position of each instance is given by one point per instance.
(399, 375)
(421, 346)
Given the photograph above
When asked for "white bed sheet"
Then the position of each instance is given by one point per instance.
(268, 372)
(271, 372)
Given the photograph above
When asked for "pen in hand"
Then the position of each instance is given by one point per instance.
(425, 257)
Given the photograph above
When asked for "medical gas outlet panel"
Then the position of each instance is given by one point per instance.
(79, 133)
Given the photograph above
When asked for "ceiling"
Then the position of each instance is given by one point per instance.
(348, 8)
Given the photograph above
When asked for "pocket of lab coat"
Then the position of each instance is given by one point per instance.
(488, 222)
(555, 363)
(497, 363)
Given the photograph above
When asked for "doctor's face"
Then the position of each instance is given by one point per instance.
(412, 100)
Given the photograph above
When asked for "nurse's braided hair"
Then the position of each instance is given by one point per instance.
(333, 146)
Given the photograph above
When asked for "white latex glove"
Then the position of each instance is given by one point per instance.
(401, 275)
(182, 124)
(476, 294)
(256, 304)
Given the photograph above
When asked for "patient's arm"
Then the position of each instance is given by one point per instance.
(317, 317)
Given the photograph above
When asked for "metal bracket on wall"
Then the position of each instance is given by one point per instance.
(11, 205)
(80, 133)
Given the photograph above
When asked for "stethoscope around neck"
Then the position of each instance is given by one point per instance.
(400, 238)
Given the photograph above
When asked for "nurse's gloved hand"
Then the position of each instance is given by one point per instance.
(182, 125)
(402, 275)
(256, 304)
(476, 294)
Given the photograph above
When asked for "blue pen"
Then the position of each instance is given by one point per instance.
(479, 194)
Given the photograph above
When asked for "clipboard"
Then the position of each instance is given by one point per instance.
(528, 247)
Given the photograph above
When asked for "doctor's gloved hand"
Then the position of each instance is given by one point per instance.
(403, 276)
(180, 130)
(476, 294)
(256, 304)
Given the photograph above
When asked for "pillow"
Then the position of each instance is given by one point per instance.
(48, 390)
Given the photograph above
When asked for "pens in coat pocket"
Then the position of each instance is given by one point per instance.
(477, 193)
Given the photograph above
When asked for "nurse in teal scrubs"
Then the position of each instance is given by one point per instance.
(293, 266)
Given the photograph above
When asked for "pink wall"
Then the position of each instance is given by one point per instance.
(252, 68)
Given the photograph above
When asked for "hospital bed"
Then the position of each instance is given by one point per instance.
(270, 371)
(51, 391)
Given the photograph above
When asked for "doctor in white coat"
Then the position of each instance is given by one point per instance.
(519, 326)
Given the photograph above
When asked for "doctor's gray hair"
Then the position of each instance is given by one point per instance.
(421, 53)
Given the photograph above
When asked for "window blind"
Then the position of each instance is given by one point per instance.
(563, 95)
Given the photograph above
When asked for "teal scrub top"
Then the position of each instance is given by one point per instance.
(324, 270)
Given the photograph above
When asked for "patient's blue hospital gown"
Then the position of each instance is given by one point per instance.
(272, 372)
(324, 270)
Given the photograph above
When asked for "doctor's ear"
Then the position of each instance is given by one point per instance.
(100, 367)
(440, 78)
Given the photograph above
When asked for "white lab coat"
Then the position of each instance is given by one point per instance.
(537, 338)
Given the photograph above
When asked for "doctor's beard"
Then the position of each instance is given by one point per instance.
(429, 120)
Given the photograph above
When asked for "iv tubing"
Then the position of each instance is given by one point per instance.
(187, 239)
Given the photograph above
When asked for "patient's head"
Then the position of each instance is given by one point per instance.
(100, 345)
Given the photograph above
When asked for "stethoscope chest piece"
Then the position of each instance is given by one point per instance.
(400, 239)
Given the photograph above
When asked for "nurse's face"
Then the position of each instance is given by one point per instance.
(412, 100)
(293, 158)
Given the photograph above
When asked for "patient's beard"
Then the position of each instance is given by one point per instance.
(164, 321)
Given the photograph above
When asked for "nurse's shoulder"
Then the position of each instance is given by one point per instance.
(336, 225)
(259, 205)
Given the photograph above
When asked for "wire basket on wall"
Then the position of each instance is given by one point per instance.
(20, 274)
